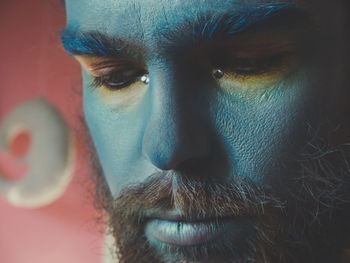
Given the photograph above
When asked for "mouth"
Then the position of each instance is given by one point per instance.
(176, 230)
(183, 233)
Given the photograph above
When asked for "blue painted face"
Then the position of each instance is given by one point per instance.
(213, 90)
(242, 123)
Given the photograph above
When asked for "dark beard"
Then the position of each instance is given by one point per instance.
(305, 220)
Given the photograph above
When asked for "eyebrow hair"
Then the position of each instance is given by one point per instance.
(222, 26)
(190, 33)
(76, 42)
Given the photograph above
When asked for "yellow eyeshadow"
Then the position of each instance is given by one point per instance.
(249, 83)
(255, 79)
(105, 91)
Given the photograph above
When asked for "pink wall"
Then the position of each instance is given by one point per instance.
(34, 64)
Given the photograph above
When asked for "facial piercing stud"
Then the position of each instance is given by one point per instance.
(145, 79)
(218, 73)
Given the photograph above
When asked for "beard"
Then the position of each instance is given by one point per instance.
(304, 219)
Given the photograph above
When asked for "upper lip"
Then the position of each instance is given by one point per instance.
(173, 215)
(167, 215)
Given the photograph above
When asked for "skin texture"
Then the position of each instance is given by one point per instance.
(188, 124)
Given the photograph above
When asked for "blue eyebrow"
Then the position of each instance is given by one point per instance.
(235, 22)
(93, 43)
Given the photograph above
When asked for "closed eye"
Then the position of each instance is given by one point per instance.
(117, 80)
(112, 74)
(250, 66)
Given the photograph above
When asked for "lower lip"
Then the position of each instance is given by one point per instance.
(186, 233)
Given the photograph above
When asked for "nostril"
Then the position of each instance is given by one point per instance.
(172, 152)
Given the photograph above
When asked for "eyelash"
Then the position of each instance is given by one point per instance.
(119, 79)
(244, 67)
(249, 66)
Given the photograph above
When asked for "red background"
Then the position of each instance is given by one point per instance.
(33, 64)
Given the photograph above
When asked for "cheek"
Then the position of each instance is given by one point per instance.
(260, 133)
(117, 136)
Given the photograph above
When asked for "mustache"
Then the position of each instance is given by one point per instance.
(195, 199)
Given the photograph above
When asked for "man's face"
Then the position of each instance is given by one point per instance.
(206, 117)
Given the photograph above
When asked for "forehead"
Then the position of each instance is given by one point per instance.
(149, 24)
(147, 12)
(131, 18)
(143, 19)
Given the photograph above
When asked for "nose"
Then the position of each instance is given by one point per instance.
(176, 131)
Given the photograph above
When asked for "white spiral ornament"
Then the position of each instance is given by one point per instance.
(49, 158)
